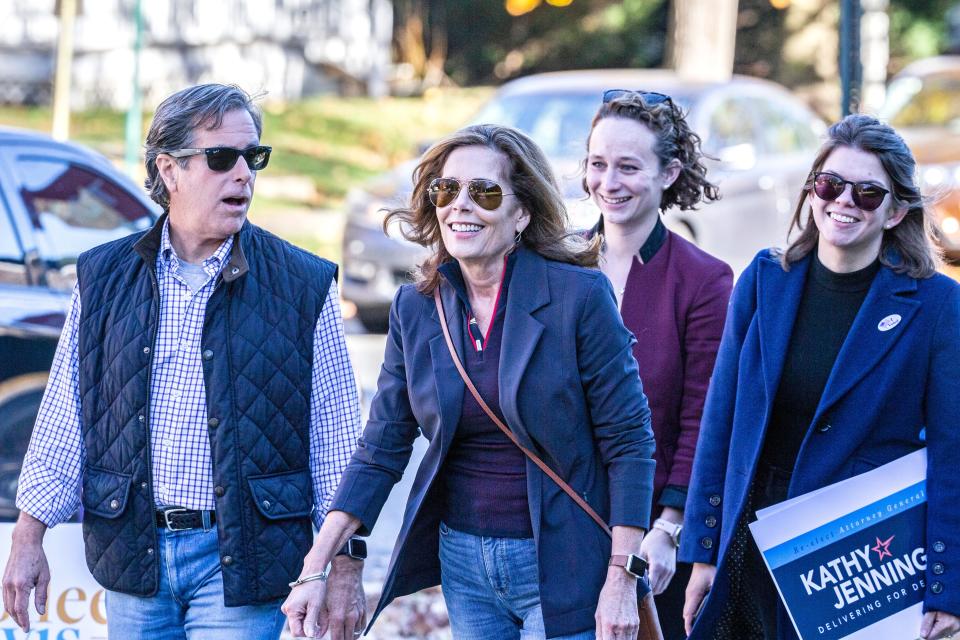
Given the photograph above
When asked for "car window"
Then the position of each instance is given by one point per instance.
(784, 129)
(731, 136)
(12, 268)
(558, 123)
(932, 101)
(73, 208)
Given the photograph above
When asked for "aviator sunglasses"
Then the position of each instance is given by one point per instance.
(866, 195)
(224, 158)
(486, 193)
(649, 97)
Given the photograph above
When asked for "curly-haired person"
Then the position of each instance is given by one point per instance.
(642, 159)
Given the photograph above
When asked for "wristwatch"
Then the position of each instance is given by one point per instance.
(355, 548)
(634, 565)
(672, 529)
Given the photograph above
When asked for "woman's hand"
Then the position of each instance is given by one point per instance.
(306, 607)
(661, 556)
(701, 581)
(938, 624)
(303, 608)
(617, 616)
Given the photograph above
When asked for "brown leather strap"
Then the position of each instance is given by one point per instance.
(618, 561)
(506, 430)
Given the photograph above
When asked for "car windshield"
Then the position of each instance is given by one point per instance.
(557, 122)
(933, 101)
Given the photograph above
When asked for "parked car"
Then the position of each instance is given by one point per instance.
(763, 140)
(923, 104)
(56, 200)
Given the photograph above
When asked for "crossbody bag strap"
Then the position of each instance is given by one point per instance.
(506, 430)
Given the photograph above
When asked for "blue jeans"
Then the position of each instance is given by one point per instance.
(491, 587)
(189, 602)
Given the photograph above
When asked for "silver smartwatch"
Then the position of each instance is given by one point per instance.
(672, 529)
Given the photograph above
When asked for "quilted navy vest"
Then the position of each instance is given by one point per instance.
(257, 355)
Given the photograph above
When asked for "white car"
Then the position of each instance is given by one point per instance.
(763, 140)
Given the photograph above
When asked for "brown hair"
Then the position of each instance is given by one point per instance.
(675, 140)
(908, 247)
(531, 181)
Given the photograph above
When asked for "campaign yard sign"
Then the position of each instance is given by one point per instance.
(849, 559)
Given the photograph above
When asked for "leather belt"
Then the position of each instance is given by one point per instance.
(179, 519)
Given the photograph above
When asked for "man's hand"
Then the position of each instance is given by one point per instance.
(27, 569)
(346, 605)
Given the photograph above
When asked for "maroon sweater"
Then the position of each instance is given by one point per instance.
(485, 474)
(675, 304)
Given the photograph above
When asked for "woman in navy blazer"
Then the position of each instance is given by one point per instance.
(838, 355)
(642, 158)
(541, 337)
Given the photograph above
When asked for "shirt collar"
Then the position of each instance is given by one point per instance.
(212, 265)
(650, 247)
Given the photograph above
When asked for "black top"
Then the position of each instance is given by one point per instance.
(829, 304)
(485, 474)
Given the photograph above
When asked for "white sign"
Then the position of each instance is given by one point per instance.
(849, 560)
(75, 607)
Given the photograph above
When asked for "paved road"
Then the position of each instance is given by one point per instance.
(366, 353)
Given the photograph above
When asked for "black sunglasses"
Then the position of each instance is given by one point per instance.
(866, 195)
(224, 158)
(486, 193)
(648, 97)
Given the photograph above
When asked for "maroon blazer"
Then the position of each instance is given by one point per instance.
(675, 304)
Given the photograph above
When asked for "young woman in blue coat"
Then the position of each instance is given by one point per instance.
(539, 333)
(839, 355)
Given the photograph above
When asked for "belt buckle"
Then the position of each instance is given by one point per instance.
(166, 518)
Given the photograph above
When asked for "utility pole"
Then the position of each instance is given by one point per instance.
(134, 127)
(61, 79)
(851, 70)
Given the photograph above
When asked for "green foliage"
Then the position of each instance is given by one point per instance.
(917, 29)
(335, 142)
(486, 44)
(760, 37)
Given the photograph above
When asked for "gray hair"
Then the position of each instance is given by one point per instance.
(176, 119)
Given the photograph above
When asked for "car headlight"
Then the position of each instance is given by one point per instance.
(365, 208)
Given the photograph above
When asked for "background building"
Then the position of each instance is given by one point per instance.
(288, 48)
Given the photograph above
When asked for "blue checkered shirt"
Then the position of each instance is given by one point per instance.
(180, 447)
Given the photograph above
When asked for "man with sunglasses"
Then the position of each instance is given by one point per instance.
(201, 405)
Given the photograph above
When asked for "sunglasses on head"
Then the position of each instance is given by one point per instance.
(866, 195)
(486, 193)
(224, 158)
(649, 97)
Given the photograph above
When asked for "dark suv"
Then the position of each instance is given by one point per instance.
(56, 200)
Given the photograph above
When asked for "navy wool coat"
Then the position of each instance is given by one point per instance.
(569, 390)
(890, 392)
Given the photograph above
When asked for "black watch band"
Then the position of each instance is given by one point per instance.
(355, 548)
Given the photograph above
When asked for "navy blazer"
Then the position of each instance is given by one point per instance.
(890, 392)
(569, 390)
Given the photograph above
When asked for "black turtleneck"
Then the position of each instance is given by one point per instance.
(828, 306)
